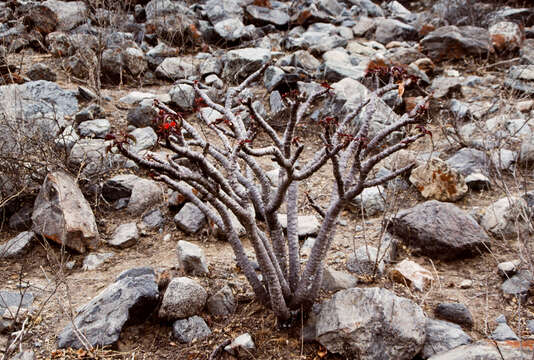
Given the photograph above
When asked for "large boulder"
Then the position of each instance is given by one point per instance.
(129, 300)
(452, 42)
(439, 230)
(63, 215)
(371, 323)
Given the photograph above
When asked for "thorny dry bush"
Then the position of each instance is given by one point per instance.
(227, 180)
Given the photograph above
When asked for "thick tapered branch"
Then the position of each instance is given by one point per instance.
(292, 235)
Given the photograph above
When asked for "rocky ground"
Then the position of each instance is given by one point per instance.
(142, 274)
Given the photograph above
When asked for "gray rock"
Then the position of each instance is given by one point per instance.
(501, 319)
(213, 80)
(62, 214)
(222, 303)
(307, 225)
(94, 260)
(468, 161)
(521, 78)
(125, 235)
(439, 230)
(119, 186)
(366, 322)
(143, 114)
(37, 107)
(218, 10)
(452, 42)
(187, 330)
(190, 219)
(137, 97)
(211, 65)
(40, 71)
(175, 68)
(364, 261)
(18, 245)
(388, 30)
(242, 346)
(242, 62)
(273, 77)
(503, 332)
(334, 280)
(93, 158)
(446, 86)
(350, 93)
(508, 269)
(69, 14)
(505, 217)
(145, 138)
(145, 195)
(183, 96)
(129, 300)
(530, 326)
(455, 312)
(518, 285)
(484, 350)
(369, 8)
(442, 336)
(13, 300)
(260, 16)
(98, 128)
(230, 29)
(191, 258)
(183, 298)
(372, 200)
(153, 219)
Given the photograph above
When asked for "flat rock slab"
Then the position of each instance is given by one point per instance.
(439, 230)
(487, 350)
(129, 300)
(18, 245)
(63, 215)
(371, 323)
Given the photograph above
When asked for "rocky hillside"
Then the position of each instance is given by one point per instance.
(99, 260)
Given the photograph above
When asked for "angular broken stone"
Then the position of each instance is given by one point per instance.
(241, 346)
(125, 235)
(18, 245)
(190, 219)
(187, 330)
(371, 323)
(192, 259)
(62, 214)
(412, 273)
(222, 303)
(129, 300)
